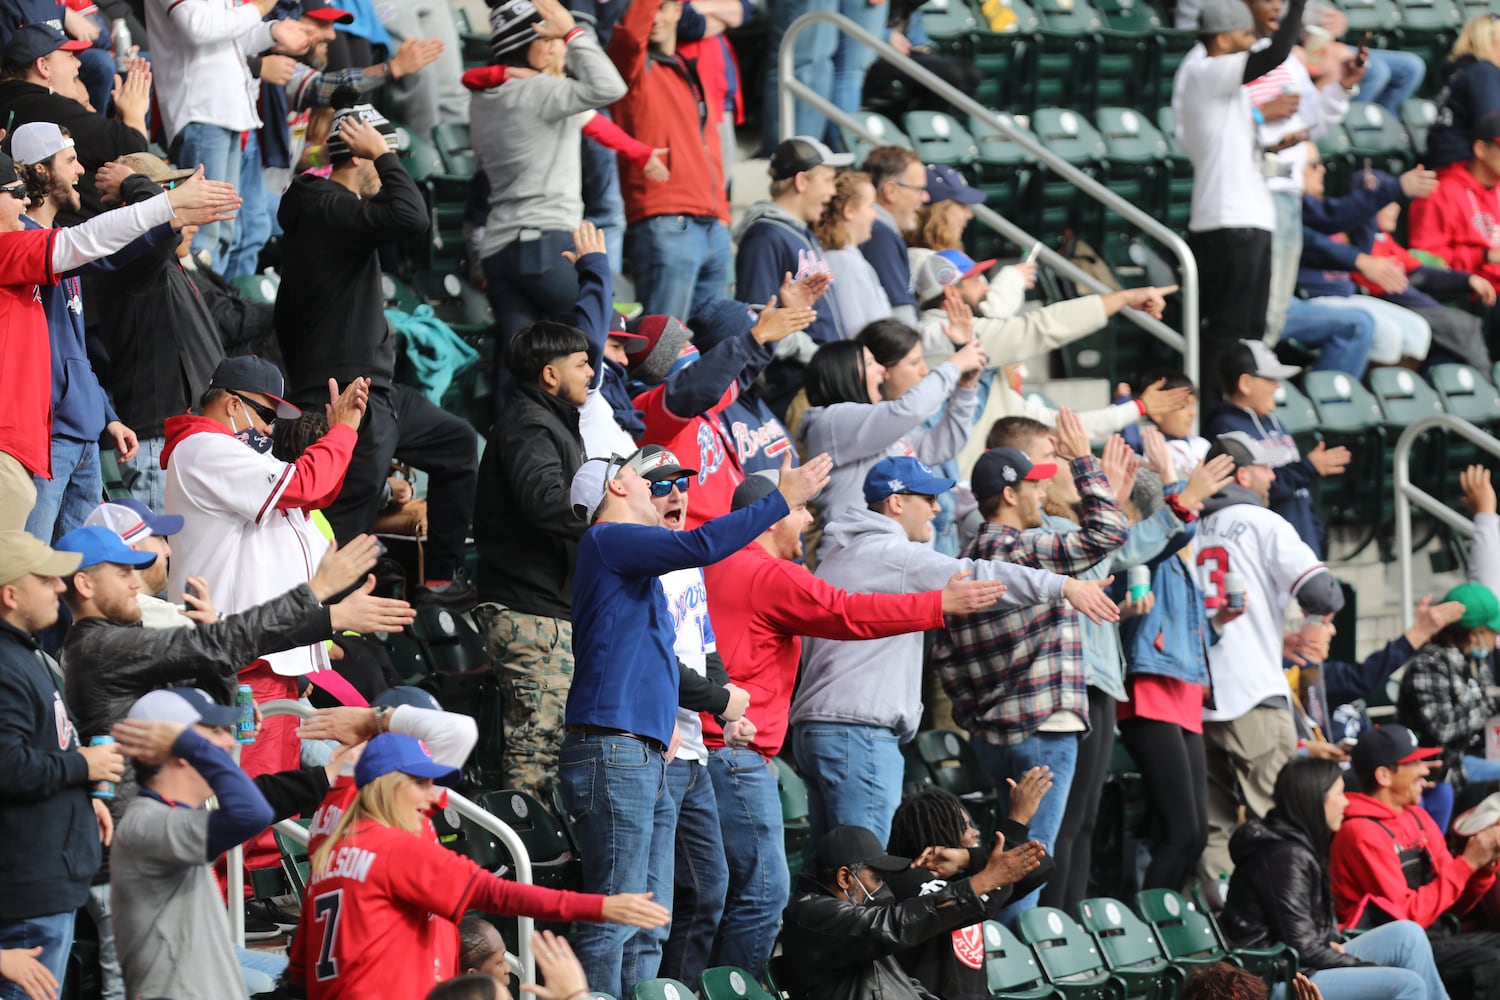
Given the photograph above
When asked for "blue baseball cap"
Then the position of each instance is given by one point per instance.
(947, 184)
(405, 695)
(390, 752)
(902, 474)
(98, 544)
(32, 41)
(133, 520)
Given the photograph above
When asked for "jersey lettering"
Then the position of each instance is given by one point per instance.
(326, 912)
(1215, 560)
(710, 452)
(324, 820)
(348, 862)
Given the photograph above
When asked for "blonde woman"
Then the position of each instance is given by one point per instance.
(848, 220)
(378, 918)
(940, 226)
(1471, 90)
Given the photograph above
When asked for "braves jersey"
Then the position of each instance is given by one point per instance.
(699, 443)
(687, 600)
(26, 419)
(1264, 548)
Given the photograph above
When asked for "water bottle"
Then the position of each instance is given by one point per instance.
(102, 789)
(120, 31)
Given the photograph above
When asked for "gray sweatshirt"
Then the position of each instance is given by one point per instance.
(857, 435)
(526, 140)
(878, 682)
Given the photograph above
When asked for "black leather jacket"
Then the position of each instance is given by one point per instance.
(1280, 891)
(836, 950)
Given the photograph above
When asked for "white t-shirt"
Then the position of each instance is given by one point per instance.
(1217, 131)
(234, 537)
(1318, 111)
(687, 599)
(1264, 548)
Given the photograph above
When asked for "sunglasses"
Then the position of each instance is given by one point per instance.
(663, 487)
(16, 191)
(267, 414)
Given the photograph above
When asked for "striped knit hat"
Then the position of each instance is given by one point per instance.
(511, 27)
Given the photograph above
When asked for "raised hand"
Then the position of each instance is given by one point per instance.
(960, 323)
(347, 407)
(1089, 599)
(1120, 465)
(1158, 455)
(197, 602)
(145, 741)
(413, 54)
(1479, 492)
(1072, 440)
(560, 968)
(363, 612)
(1007, 867)
(1329, 461)
(198, 201)
(963, 596)
(776, 324)
(1027, 794)
(587, 238)
(1207, 479)
(635, 909)
(1158, 400)
(805, 292)
(801, 484)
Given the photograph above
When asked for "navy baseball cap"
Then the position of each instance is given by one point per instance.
(249, 373)
(902, 474)
(133, 520)
(1002, 467)
(756, 486)
(390, 752)
(947, 184)
(1388, 746)
(32, 41)
(406, 695)
(185, 705)
(98, 544)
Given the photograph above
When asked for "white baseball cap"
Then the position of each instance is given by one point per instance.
(36, 141)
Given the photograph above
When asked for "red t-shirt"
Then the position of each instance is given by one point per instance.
(26, 419)
(1163, 699)
(699, 443)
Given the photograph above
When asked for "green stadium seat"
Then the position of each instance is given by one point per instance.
(1067, 50)
(1189, 936)
(951, 24)
(418, 155)
(1375, 134)
(1004, 60)
(294, 861)
(773, 981)
(939, 139)
(1379, 17)
(553, 861)
(730, 982)
(1068, 956)
(915, 771)
(1168, 47)
(398, 294)
(881, 127)
(1130, 948)
(1178, 206)
(596, 995)
(1296, 413)
(1466, 393)
(1011, 968)
(661, 989)
(1417, 115)
(1404, 398)
(1348, 415)
(467, 838)
(1427, 30)
(1139, 161)
(454, 146)
(955, 768)
(1334, 148)
(797, 827)
(1069, 134)
(259, 288)
(1005, 171)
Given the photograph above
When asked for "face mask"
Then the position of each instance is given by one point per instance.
(252, 438)
(871, 899)
(1480, 655)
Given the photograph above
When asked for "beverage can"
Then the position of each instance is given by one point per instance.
(102, 789)
(1139, 579)
(244, 727)
(1234, 591)
(120, 33)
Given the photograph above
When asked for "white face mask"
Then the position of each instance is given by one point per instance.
(869, 896)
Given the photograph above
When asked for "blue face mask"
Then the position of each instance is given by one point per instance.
(252, 438)
(1480, 655)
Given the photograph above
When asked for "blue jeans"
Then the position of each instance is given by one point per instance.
(701, 879)
(851, 60)
(111, 980)
(1438, 801)
(1342, 337)
(1481, 769)
(96, 68)
(615, 788)
(681, 262)
(1399, 332)
(76, 487)
(813, 66)
(253, 222)
(1391, 78)
(853, 776)
(260, 969)
(53, 933)
(1402, 970)
(1059, 751)
(144, 477)
(1286, 256)
(755, 847)
(218, 150)
(603, 204)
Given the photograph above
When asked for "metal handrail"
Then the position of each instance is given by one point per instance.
(526, 962)
(1408, 495)
(789, 88)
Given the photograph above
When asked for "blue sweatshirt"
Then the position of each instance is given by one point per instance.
(1326, 263)
(1470, 91)
(624, 669)
(1291, 493)
(886, 252)
(775, 243)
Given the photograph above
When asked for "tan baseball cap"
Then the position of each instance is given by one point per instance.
(21, 553)
(155, 168)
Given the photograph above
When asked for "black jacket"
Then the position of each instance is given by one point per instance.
(245, 327)
(837, 950)
(97, 139)
(1280, 891)
(154, 345)
(523, 523)
(952, 965)
(47, 824)
(330, 311)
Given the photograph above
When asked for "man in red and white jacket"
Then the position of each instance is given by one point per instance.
(1460, 221)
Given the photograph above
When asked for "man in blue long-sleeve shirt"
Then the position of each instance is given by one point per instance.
(171, 930)
(622, 706)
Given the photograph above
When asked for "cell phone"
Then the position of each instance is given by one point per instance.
(1034, 253)
(1364, 49)
(191, 589)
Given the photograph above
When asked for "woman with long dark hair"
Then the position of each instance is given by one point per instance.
(1280, 891)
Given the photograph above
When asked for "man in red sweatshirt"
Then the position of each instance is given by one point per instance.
(763, 602)
(1389, 860)
(1460, 221)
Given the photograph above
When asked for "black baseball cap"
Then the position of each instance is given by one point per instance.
(1388, 746)
(322, 10)
(1486, 128)
(249, 373)
(32, 41)
(8, 175)
(847, 846)
(756, 486)
(802, 152)
(1244, 449)
(1001, 467)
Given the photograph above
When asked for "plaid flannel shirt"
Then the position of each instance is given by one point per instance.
(1443, 701)
(1008, 671)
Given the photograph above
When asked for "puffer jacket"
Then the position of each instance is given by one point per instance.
(1280, 891)
(837, 950)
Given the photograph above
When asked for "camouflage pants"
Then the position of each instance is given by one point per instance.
(534, 657)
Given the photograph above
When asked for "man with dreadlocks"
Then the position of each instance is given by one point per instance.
(935, 826)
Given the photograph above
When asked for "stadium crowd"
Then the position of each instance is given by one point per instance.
(794, 506)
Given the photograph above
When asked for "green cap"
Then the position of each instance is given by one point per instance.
(1481, 609)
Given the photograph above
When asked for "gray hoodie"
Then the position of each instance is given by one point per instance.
(878, 682)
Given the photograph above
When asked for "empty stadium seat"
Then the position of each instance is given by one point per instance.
(797, 828)
(729, 982)
(1066, 69)
(1068, 956)
(1123, 68)
(1379, 17)
(1004, 171)
(1010, 967)
(1376, 135)
(956, 768)
(1130, 948)
(1189, 936)
(1139, 161)
(1417, 115)
(1296, 413)
(1427, 29)
(879, 126)
(939, 139)
(661, 989)
(553, 861)
(1466, 393)
(1068, 134)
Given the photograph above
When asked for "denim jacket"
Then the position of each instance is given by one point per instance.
(1173, 639)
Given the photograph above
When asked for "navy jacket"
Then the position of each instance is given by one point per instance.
(1471, 91)
(47, 822)
(1291, 493)
(1326, 263)
(886, 252)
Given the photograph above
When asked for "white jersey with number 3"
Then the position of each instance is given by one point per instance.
(1264, 548)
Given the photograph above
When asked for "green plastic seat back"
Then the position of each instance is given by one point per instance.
(1418, 115)
(1122, 936)
(455, 147)
(1182, 931)
(1062, 948)
(661, 989)
(881, 127)
(994, 147)
(1069, 134)
(259, 288)
(1129, 135)
(1465, 393)
(1374, 129)
(294, 861)
(938, 138)
(1295, 410)
(1342, 403)
(730, 982)
(1009, 965)
(1403, 395)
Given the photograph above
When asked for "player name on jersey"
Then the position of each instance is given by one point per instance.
(348, 862)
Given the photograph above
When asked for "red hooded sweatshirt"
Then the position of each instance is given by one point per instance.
(761, 606)
(1365, 865)
(1460, 222)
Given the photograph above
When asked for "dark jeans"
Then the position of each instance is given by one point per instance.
(1176, 779)
(702, 875)
(401, 423)
(1075, 838)
(528, 280)
(1468, 962)
(1234, 273)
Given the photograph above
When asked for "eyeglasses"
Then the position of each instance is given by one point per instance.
(16, 191)
(912, 187)
(267, 414)
(663, 487)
